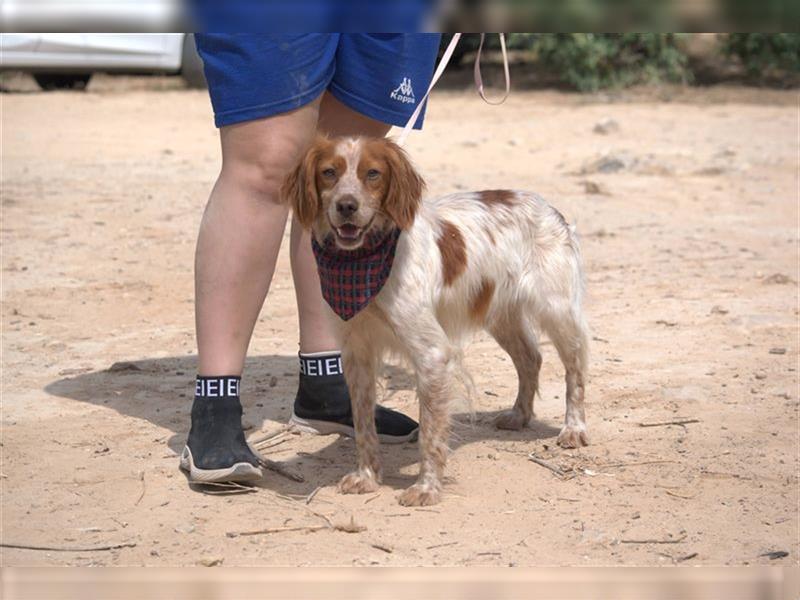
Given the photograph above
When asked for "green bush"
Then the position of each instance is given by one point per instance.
(591, 61)
(764, 54)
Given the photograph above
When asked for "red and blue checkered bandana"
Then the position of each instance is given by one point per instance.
(351, 278)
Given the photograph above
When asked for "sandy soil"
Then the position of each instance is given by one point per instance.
(691, 251)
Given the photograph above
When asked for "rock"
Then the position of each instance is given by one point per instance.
(607, 163)
(210, 561)
(606, 126)
(121, 367)
(778, 278)
(273, 381)
(189, 528)
(592, 187)
(760, 375)
(777, 350)
(718, 310)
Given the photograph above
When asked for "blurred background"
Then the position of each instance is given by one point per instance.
(584, 62)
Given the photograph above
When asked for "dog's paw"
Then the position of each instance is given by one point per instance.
(511, 419)
(358, 482)
(420, 495)
(573, 437)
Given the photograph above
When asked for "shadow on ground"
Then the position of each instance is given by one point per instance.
(161, 390)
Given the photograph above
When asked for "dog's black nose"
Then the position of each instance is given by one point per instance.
(346, 206)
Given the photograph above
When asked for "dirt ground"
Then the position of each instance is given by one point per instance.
(688, 210)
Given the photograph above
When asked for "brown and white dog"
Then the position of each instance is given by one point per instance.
(500, 260)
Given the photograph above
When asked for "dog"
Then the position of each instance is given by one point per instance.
(501, 260)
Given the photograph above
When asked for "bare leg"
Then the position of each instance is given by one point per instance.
(316, 334)
(241, 233)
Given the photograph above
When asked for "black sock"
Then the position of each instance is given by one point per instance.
(216, 438)
(322, 390)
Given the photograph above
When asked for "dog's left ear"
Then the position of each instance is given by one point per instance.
(405, 187)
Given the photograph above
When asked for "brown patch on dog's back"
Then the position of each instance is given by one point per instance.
(494, 197)
(481, 301)
(453, 250)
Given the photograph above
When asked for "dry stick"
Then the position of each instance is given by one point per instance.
(280, 469)
(268, 436)
(679, 495)
(371, 498)
(144, 489)
(233, 534)
(547, 465)
(635, 464)
(384, 548)
(310, 497)
(62, 549)
(440, 545)
(675, 422)
(265, 446)
(676, 541)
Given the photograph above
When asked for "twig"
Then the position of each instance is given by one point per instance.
(268, 436)
(547, 465)
(384, 548)
(280, 469)
(233, 534)
(679, 495)
(488, 554)
(144, 489)
(371, 498)
(310, 497)
(675, 541)
(265, 446)
(63, 549)
(441, 545)
(687, 557)
(634, 464)
(675, 422)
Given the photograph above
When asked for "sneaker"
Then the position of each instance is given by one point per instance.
(322, 406)
(216, 451)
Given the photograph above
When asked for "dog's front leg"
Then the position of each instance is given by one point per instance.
(360, 366)
(434, 391)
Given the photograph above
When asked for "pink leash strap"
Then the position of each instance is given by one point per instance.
(448, 53)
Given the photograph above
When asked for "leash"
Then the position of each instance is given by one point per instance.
(448, 53)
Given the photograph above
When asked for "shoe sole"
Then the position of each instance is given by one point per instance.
(238, 472)
(328, 427)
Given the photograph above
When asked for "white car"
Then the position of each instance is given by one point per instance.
(68, 60)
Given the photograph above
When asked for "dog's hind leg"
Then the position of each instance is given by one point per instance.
(360, 363)
(565, 326)
(516, 336)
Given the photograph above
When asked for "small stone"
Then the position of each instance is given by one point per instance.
(273, 381)
(592, 187)
(184, 528)
(606, 126)
(777, 350)
(718, 310)
(154, 553)
(778, 278)
(760, 375)
(211, 561)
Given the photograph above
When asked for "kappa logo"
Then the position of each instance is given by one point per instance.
(404, 92)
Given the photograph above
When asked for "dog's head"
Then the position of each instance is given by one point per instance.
(349, 187)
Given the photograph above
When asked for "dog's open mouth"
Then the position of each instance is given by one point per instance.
(349, 233)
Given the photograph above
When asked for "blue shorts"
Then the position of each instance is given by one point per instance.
(382, 76)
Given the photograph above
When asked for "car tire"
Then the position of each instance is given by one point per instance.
(192, 64)
(62, 81)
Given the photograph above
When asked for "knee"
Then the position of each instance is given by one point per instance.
(256, 178)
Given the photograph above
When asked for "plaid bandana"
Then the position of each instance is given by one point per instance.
(351, 278)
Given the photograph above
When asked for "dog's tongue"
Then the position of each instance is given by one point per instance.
(348, 231)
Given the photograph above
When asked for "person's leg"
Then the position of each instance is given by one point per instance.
(316, 335)
(323, 403)
(237, 248)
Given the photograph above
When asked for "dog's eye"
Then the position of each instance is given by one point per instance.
(329, 173)
(373, 174)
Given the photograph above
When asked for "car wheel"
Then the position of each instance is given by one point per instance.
(62, 81)
(192, 64)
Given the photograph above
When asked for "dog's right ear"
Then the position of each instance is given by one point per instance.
(299, 189)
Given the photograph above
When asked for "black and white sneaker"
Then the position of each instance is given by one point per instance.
(216, 451)
(322, 406)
